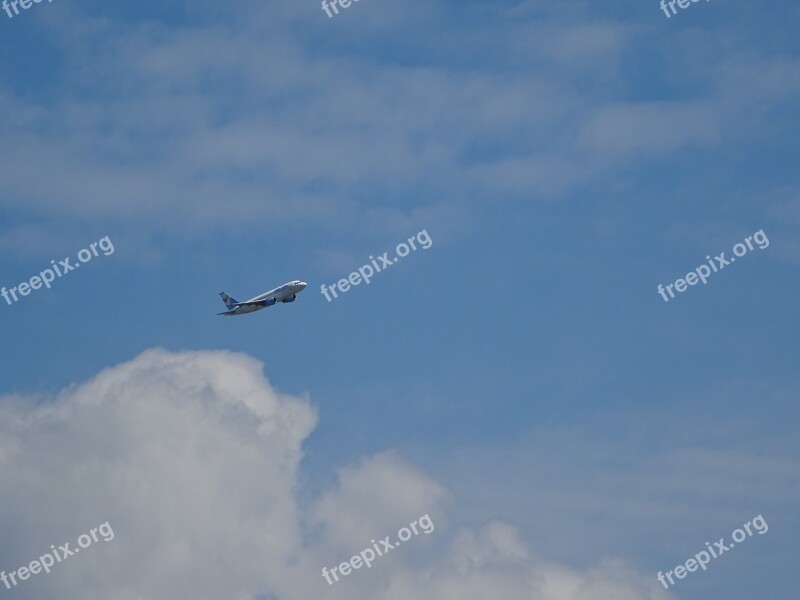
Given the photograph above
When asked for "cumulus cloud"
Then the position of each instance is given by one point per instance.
(193, 459)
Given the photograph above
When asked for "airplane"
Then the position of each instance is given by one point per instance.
(285, 293)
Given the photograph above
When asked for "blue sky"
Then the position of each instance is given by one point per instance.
(564, 158)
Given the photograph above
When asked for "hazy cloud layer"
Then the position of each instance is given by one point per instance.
(229, 120)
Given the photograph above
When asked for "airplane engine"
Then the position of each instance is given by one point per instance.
(291, 298)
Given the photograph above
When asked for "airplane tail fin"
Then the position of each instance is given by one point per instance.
(229, 302)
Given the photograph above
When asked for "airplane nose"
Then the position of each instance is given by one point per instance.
(303, 285)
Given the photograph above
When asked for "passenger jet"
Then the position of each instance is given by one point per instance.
(286, 293)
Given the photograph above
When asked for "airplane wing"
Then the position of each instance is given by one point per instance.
(261, 303)
(267, 302)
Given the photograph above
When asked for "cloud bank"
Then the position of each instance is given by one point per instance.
(194, 459)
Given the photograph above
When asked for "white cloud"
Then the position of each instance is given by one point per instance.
(193, 458)
(381, 490)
